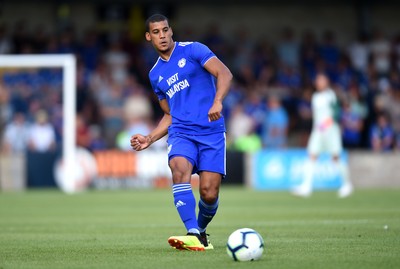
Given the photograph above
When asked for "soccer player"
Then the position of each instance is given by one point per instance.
(191, 83)
(325, 137)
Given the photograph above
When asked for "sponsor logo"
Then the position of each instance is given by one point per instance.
(179, 204)
(174, 78)
(160, 78)
(176, 85)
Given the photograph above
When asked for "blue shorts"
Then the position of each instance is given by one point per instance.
(204, 152)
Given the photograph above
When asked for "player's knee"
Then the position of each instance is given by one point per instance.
(209, 195)
(181, 171)
(180, 176)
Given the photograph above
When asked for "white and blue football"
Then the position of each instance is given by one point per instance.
(245, 245)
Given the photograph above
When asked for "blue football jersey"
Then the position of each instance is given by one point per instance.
(188, 87)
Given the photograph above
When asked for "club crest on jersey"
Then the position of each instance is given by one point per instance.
(182, 62)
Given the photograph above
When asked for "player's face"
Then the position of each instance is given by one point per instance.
(160, 35)
(321, 82)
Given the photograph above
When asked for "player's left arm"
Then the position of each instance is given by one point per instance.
(335, 106)
(224, 77)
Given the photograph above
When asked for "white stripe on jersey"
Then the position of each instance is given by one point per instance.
(183, 44)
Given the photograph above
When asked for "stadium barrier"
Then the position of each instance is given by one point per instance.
(375, 169)
(40, 169)
(121, 169)
(264, 170)
(115, 169)
(12, 172)
(284, 169)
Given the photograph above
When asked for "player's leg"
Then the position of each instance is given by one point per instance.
(347, 187)
(212, 155)
(313, 148)
(209, 192)
(335, 148)
(305, 189)
(208, 204)
(182, 157)
(184, 199)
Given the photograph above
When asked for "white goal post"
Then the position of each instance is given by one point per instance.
(68, 64)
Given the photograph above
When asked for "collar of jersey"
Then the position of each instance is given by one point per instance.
(169, 55)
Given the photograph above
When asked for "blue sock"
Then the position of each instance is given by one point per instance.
(185, 203)
(206, 214)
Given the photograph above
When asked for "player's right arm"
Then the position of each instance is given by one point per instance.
(140, 142)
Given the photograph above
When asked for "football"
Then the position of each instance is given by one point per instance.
(245, 245)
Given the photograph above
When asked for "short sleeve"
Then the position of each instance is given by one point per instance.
(201, 53)
(157, 91)
(159, 94)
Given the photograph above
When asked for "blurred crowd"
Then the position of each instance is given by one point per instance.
(268, 105)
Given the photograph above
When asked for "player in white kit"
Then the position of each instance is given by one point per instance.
(325, 137)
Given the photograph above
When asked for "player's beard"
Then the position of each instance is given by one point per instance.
(166, 50)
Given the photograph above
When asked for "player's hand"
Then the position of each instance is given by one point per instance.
(215, 111)
(140, 142)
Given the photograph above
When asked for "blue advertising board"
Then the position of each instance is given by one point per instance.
(284, 169)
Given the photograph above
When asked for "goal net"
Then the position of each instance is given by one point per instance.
(67, 63)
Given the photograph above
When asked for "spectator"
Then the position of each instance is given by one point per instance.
(367, 72)
(396, 52)
(275, 125)
(239, 125)
(215, 40)
(344, 75)
(67, 42)
(117, 62)
(16, 134)
(357, 104)
(233, 99)
(263, 60)
(20, 36)
(392, 105)
(51, 46)
(242, 132)
(40, 39)
(243, 51)
(248, 143)
(255, 108)
(352, 125)
(112, 112)
(83, 135)
(382, 134)
(359, 54)
(380, 50)
(97, 142)
(288, 49)
(329, 51)
(397, 143)
(100, 82)
(5, 42)
(5, 107)
(41, 134)
(90, 51)
(308, 55)
(137, 115)
(303, 116)
(289, 77)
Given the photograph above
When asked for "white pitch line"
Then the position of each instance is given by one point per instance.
(253, 223)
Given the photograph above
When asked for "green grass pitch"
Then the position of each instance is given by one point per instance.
(129, 229)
